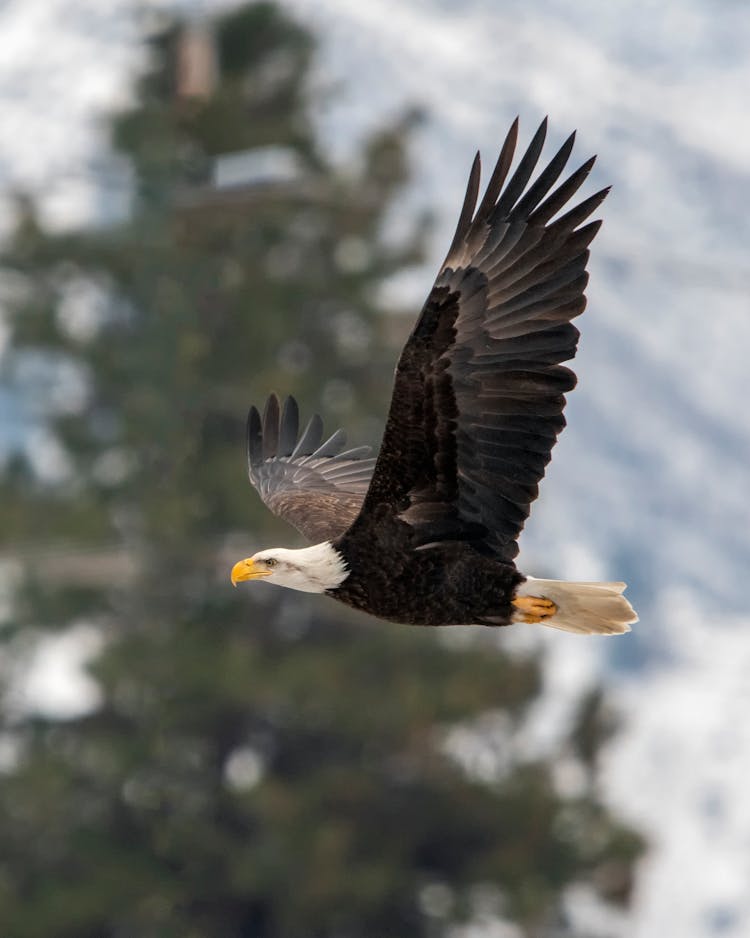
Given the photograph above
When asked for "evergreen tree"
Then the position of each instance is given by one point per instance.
(260, 764)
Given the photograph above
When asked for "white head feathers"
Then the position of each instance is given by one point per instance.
(311, 569)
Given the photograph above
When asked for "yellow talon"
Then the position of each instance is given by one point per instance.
(533, 608)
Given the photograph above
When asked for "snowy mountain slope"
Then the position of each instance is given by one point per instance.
(650, 481)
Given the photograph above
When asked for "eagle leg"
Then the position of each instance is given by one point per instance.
(533, 609)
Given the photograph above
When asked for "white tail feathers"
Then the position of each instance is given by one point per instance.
(583, 608)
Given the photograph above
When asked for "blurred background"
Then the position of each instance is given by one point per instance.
(205, 201)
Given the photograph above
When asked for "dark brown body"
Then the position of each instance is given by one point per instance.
(449, 583)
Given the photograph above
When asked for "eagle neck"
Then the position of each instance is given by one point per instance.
(325, 566)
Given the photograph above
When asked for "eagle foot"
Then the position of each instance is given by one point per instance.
(533, 609)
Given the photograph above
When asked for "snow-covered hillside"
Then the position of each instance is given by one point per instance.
(650, 481)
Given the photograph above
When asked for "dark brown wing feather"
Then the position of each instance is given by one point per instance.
(314, 485)
(479, 390)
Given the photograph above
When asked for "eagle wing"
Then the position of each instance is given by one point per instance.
(313, 484)
(479, 389)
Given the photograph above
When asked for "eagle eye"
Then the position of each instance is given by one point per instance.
(270, 562)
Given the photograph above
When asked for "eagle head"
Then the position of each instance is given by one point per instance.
(315, 569)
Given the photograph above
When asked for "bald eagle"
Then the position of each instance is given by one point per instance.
(426, 533)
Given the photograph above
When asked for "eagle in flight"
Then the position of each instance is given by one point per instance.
(426, 533)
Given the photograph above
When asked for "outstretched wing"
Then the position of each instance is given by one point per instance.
(479, 389)
(314, 485)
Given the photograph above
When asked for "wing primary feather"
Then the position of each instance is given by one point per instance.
(467, 210)
(554, 283)
(519, 240)
(357, 452)
(271, 427)
(499, 174)
(521, 176)
(310, 439)
(534, 266)
(580, 213)
(254, 439)
(332, 446)
(289, 426)
(562, 195)
(354, 468)
(528, 274)
(354, 474)
(546, 180)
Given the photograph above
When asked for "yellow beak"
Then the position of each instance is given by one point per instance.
(247, 570)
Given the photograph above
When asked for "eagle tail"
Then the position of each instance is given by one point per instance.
(582, 608)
